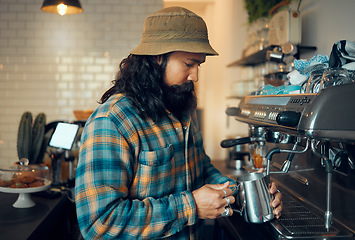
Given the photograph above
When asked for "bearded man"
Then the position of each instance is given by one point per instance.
(142, 171)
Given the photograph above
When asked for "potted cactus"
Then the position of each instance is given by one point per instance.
(30, 138)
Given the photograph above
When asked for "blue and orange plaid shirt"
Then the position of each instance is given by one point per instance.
(135, 177)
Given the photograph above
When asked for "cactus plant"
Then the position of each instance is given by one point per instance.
(24, 136)
(30, 139)
(37, 137)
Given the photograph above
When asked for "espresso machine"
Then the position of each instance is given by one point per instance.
(310, 142)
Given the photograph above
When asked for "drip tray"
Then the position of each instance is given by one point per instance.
(297, 221)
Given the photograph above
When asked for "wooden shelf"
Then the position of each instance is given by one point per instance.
(253, 59)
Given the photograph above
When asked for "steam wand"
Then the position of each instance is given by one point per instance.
(287, 164)
(328, 216)
(278, 150)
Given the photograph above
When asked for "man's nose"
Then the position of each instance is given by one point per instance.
(193, 75)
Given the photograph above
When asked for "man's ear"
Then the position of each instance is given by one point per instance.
(158, 59)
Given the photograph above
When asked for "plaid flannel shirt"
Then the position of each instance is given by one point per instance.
(135, 178)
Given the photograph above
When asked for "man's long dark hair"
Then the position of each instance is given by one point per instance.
(141, 78)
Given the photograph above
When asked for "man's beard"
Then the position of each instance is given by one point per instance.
(180, 98)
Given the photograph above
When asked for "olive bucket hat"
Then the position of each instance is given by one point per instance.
(174, 29)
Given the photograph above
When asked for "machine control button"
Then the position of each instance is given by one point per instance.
(245, 112)
(288, 118)
(260, 114)
(272, 116)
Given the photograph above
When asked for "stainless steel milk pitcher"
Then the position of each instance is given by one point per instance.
(254, 198)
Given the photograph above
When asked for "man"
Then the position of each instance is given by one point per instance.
(142, 171)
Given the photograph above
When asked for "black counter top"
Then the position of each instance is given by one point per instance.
(36, 222)
(236, 228)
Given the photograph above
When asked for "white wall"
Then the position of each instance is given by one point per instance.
(324, 22)
(55, 64)
(227, 34)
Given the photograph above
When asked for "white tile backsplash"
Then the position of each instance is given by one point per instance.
(56, 64)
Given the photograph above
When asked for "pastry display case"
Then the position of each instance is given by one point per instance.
(24, 179)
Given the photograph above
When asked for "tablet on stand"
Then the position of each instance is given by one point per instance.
(63, 138)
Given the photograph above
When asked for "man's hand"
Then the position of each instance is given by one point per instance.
(210, 200)
(277, 202)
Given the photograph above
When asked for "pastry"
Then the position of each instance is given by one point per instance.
(27, 179)
(36, 184)
(4, 183)
(19, 185)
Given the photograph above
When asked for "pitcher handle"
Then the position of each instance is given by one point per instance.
(240, 211)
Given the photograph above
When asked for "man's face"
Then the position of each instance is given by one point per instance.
(180, 74)
(182, 67)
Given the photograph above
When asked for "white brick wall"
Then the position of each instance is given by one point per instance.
(55, 64)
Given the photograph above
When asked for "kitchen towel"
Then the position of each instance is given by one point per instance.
(304, 68)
